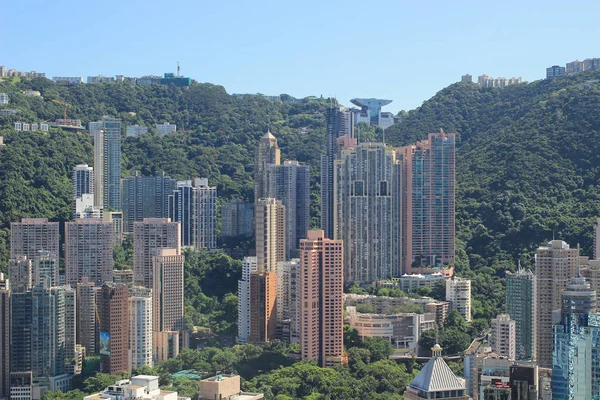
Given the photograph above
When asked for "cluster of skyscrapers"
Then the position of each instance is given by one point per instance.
(573, 67)
(384, 211)
(51, 322)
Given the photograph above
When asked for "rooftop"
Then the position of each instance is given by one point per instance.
(436, 376)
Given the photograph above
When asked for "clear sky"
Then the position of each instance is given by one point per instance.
(400, 50)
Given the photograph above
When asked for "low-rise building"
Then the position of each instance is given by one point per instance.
(386, 305)
(136, 130)
(225, 387)
(411, 282)
(141, 387)
(166, 128)
(403, 330)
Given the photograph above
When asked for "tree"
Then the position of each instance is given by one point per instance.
(380, 348)
(99, 382)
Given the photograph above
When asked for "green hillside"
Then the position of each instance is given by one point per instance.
(527, 165)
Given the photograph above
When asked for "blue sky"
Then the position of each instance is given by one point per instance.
(400, 50)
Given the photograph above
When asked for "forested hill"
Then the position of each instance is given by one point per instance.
(216, 137)
(528, 164)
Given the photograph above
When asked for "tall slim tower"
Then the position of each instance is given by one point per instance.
(458, 293)
(596, 249)
(248, 267)
(290, 183)
(267, 153)
(32, 235)
(47, 330)
(576, 332)
(140, 326)
(5, 336)
(368, 211)
(70, 323)
(89, 245)
(429, 193)
(107, 162)
(206, 214)
(113, 307)
(183, 209)
(167, 291)
(21, 327)
(321, 299)
(340, 122)
(149, 236)
(145, 197)
(520, 303)
(554, 264)
(270, 229)
(87, 313)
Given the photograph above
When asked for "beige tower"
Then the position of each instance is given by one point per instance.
(167, 292)
(270, 233)
(555, 264)
(321, 305)
(268, 153)
(149, 236)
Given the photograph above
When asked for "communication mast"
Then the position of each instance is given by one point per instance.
(178, 69)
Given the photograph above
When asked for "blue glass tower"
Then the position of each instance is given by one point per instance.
(576, 355)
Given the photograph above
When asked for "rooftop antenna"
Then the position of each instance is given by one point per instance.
(178, 69)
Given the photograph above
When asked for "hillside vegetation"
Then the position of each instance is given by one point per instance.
(527, 166)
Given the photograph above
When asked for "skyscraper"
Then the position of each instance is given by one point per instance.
(113, 310)
(290, 183)
(45, 265)
(206, 214)
(267, 153)
(5, 336)
(83, 184)
(248, 266)
(47, 330)
(167, 292)
(340, 122)
(89, 245)
(321, 272)
(429, 203)
(269, 215)
(263, 306)
(368, 212)
(20, 272)
(555, 71)
(149, 236)
(503, 338)
(70, 324)
(83, 180)
(576, 355)
(87, 313)
(287, 300)
(554, 264)
(520, 303)
(195, 208)
(458, 293)
(140, 326)
(21, 328)
(107, 162)
(237, 219)
(32, 235)
(145, 197)
(183, 209)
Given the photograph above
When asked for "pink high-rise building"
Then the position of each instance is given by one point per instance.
(89, 245)
(149, 236)
(321, 304)
(428, 206)
(167, 291)
(32, 235)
